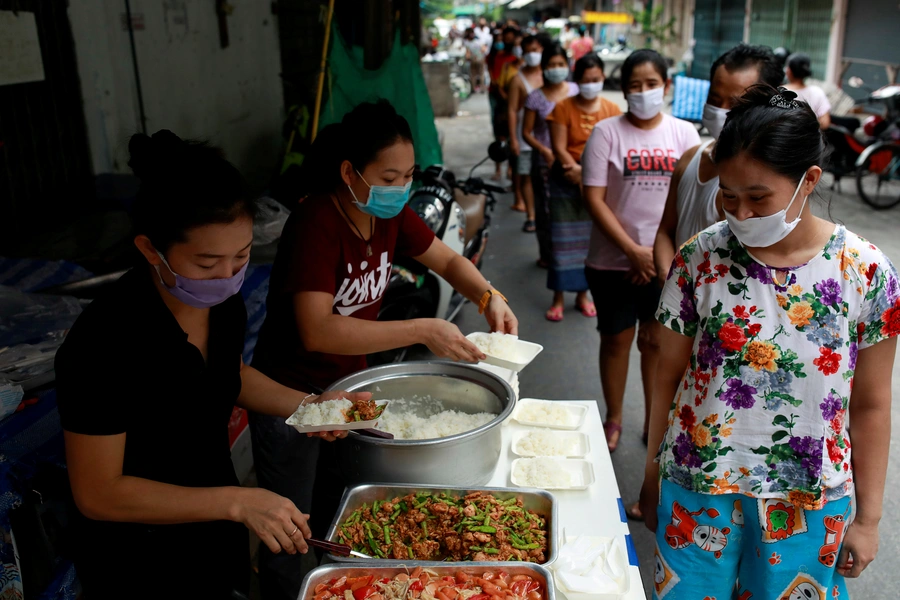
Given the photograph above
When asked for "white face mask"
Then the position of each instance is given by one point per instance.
(517, 51)
(533, 59)
(589, 91)
(714, 119)
(646, 105)
(762, 232)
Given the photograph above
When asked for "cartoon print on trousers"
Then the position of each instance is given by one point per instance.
(684, 531)
(803, 587)
(779, 519)
(737, 515)
(664, 578)
(834, 535)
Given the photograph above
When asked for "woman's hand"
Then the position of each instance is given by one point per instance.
(644, 267)
(859, 549)
(514, 146)
(330, 436)
(500, 316)
(447, 341)
(649, 500)
(548, 155)
(572, 173)
(274, 519)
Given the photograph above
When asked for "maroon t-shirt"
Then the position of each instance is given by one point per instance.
(319, 252)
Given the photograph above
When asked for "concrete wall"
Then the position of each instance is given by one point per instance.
(191, 85)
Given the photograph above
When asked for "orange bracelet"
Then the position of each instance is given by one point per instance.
(486, 299)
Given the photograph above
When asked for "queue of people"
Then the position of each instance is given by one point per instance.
(779, 329)
(779, 326)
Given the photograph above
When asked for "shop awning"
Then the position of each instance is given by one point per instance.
(517, 4)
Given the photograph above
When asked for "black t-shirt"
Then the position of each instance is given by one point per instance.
(127, 367)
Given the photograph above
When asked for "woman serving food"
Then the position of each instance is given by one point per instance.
(158, 494)
(332, 269)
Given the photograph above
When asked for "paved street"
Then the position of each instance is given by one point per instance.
(567, 369)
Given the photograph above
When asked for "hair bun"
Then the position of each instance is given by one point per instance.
(150, 154)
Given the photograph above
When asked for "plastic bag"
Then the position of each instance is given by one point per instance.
(269, 221)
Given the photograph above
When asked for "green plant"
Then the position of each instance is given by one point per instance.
(657, 30)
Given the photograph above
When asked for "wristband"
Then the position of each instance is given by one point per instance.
(486, 299)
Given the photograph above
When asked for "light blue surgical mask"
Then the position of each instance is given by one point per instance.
(384, 201)
(556, 74)
(499, 46)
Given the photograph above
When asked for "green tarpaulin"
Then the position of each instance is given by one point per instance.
(399, 80)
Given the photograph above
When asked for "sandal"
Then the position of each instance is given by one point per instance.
(609, 429)
(555, 314)
(588, 309)
(633, 512)
(529, 227)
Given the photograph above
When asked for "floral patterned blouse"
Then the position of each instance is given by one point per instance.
(762, 407)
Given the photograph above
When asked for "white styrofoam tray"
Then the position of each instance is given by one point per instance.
(582, 473)
(576, 414)
(336, 426)
(579, 447)
(620, 557)
(526, 352)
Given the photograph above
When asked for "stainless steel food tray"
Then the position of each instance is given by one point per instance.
(326, 573)
(541, 502)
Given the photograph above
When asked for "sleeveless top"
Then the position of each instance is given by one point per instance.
(542, 107)
(696, 201)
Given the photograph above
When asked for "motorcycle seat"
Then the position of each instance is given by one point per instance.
(473, 205)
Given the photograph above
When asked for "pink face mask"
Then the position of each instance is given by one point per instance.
(202, 293)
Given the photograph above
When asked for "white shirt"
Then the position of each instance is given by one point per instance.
(816, 98)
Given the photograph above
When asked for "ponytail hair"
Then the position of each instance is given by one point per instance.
(775, 129)
(359, 137)
(184, 184)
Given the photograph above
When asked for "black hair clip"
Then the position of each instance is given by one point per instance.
(784, 99)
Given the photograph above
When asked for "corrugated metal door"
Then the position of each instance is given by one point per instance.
(799, 26)
(45, 165)
(718, 26)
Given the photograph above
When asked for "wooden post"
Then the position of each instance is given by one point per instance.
(321, 83)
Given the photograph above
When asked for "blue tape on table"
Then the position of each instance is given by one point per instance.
(632, 553)
(622, 515)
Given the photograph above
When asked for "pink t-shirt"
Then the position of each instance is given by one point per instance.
(635, 166)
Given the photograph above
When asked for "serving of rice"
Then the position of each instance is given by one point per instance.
(546, 413)
(547, 443)
(426, 418)
(542, 473)
(330, 412)
(498, 345)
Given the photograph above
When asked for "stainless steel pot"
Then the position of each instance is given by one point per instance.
(467, 459)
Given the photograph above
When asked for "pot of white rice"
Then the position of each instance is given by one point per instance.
(446, 417)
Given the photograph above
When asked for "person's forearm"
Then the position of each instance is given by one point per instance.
(663, 252)
(534, 143)
(337, 334)
(664, 391)
(871, 447)
(604, 218)
(265, 396)
(136, 500)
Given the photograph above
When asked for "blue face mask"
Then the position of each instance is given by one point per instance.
(499, 45)
(385, 201)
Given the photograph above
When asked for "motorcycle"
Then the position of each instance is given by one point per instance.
(458, 212)
(874, 155)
